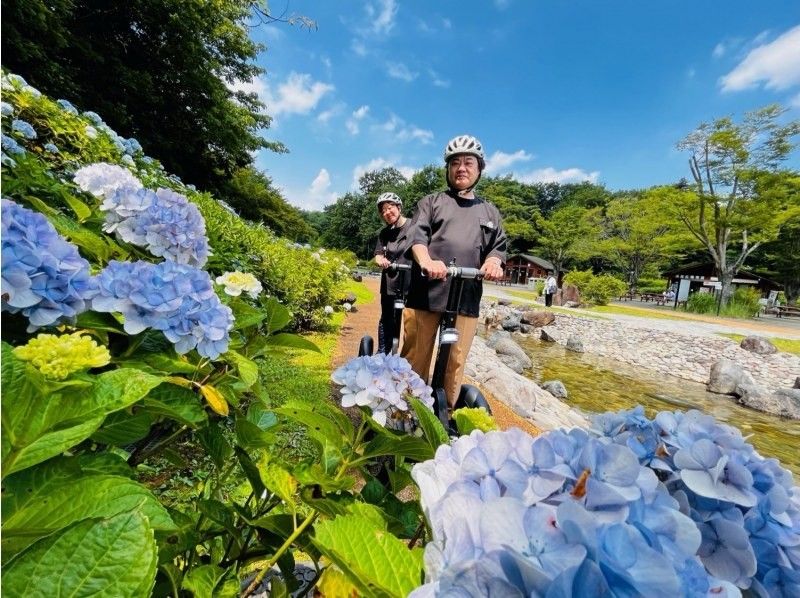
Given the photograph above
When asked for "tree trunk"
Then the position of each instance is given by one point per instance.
(791, 288)
(726, 278)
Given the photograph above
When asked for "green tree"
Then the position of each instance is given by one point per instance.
(636, 233)
(375, 182)
(157, 70)
(344, 224)
(429, 179)
(780, 259)
(739, 197)
(563, 237)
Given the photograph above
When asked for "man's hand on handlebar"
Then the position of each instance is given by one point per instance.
(382, 261)
(492, 269)
(434, 269)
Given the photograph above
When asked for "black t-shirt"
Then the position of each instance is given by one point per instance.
(465, 230)
(392, 244)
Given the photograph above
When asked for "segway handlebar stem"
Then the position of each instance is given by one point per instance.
(468, 273)
(395, 267)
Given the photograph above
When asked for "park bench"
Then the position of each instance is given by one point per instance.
(629, 296)
(787, 310)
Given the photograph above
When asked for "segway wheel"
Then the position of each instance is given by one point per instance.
(440, 407)
(366, 347)
(471, 397)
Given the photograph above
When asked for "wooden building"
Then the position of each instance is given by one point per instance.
(703, 278)
(521, 267)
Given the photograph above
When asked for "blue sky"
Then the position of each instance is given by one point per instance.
(557, 90)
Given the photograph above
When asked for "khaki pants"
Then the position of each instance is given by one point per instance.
(419, 339)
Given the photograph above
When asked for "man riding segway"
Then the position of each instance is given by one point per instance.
(459, 227)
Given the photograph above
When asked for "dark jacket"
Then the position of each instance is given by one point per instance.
(393, 243)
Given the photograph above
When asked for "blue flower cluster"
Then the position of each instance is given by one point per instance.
(746, 507)
(43, 276)
(67, 107)
(6, 109)
(177, 299)
(164, 222)
(382, 383)
(560, 515)
(24, 128)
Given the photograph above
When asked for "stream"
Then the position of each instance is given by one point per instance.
(597, 384)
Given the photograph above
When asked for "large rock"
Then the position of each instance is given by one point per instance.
(574, 343)
(571, 304)
(496, 337)
(511, 322)
(796, 382)
(349, 298)
(556, 388)
(783, 402)
(538, 318)
(758, 344)
(726, 375)
(511, 354)
(570, 294)
(547, 336)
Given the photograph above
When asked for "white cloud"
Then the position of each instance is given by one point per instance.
(776, 64)
(499, 162)
(357, 116)
(378, 164)
(326, 115)
(795, 101)
(437, 80)
(501, 4)
(256, 85)
(319, 194)
(400, 130)
(382, 14)
(358, 47)
(430, 28)
(298, 95)
(551, 175)
(398, 70)
(719, 50)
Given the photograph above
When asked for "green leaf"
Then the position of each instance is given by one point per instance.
(278, 316)
(99, 321)
(178, 403)
(169, 364)
(123, 428)
(432, 428)
(278, 480)
(378, 563)
(82, 211)
(318, 426)
(216, 445)
(285, 339)
(250, 437)
(114, 557)
(261, 416)
(405, 446)
(47, 418)
(209, 581)
(221, 514)
(40, 501)
(250, 471)
(245, 315)
(248, 370)
(107, 463)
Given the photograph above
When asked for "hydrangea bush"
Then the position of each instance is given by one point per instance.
(650, 508)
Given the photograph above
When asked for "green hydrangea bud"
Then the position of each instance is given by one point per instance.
(475, 418)
(59, 356)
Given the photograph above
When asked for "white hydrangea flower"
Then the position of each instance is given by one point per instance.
(328, 309)
(237, 282)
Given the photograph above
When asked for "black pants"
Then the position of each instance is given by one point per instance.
(388, 327)
(548, 299)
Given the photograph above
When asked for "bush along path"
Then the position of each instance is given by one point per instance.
(142, 320)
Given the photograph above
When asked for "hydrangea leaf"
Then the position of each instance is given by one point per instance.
(214, 399)
(334, 584)
(318, 426)
(180, 404)
(40, 501)
(404, 446)
(246, 315)
(278, 316)
(122, 428)
(45, 419)
(278, 480)
(295, 341)
(378, 563)
(248, 370)
(98, 557)
(432, 428)
(210, 581)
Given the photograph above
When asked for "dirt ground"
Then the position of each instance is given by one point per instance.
(365, 321)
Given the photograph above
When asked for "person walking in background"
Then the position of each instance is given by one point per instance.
(390, 248)
(451, 225)
(550, 288)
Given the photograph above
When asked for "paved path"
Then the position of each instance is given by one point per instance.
(688, 324)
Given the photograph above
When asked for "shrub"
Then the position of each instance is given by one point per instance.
(602, 288)
(650, 285)
(743, 303)
(701, 303)
(579, 279)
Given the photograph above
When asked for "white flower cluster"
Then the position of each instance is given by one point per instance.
(236, 283)
(383, 383)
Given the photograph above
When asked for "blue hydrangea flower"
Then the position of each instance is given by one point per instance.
(90, 131)
(11, 146)
(94, 118)
(381, 382)
(132, 146)
(43, 276)
(51, 148)
(24, 128)
(176, 299)
(7, 160)
(6, 109)
(67, 106)
(15, 81)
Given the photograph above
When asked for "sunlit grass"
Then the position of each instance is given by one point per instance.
(642, 312)
(787, 345)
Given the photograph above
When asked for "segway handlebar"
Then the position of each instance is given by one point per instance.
(395, 267)
(469, 273)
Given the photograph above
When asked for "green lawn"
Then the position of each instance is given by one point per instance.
(787, 345)
(637, 311)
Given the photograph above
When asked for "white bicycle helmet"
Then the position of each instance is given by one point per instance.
(389, 198)
(464, 144)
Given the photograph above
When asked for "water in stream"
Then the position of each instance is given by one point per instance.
(597, 384)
